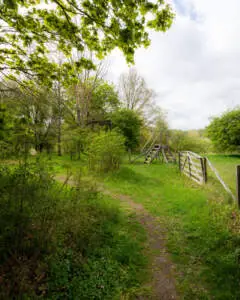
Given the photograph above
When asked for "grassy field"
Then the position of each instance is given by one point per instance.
(202, 233)
(226, 166)
(202, 228)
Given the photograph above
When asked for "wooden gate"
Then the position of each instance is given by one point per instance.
(193, 165)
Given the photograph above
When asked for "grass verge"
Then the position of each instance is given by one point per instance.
(203, 231)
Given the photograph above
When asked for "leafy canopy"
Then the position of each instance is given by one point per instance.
(224, 131)
(129, 124)
(31, 30)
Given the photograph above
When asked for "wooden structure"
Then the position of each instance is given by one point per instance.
(159, 151)
(193, 165)
(155, 149)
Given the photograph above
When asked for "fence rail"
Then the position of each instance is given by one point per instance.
(193, 166)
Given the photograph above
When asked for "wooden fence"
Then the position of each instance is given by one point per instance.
(193, 165)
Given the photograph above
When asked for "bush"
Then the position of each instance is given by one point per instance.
(106, 151)
(189, 141)
(75, 141)
(58, 242)
(224, 131)
(128, 123)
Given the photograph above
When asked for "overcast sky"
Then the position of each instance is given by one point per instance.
(195, 66)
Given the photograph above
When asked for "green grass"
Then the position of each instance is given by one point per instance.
(200, 238)
(203, 234)
(62, 243)
(113, 263)
(226, 166)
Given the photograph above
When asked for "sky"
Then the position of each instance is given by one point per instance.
(194, 67)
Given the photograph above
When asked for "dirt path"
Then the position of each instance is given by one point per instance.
(162, 281)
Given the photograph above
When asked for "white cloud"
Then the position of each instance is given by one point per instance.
(195, 66)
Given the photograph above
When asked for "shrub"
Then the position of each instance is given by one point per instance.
(58, 242)
(189, 141)
(128, 123)
(75, 141)
(106, 151)
(224, 131)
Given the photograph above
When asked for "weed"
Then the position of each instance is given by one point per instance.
(62, 243)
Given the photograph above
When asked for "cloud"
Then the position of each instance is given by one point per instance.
(195, 66)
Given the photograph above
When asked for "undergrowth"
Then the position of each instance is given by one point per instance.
(58, 242)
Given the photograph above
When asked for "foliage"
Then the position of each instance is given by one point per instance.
(189, 141)
(202, 230)
(90, 99)
(129, 124)
(224, 131)
(62, 243)
(15, 137)
(106, 151)
(5, 132)
(105, 100)
(30, 31)
(75, 140)
(25, 192)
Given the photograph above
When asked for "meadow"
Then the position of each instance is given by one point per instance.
(202, 232)
(203, 235)
(226, 166)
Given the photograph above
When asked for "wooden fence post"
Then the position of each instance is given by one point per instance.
(238, 186)
(204, 168)
(179, 161)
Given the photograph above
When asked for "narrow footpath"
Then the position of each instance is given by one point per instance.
(162, 281)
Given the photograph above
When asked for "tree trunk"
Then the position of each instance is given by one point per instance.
(129, 154)
(59, 122)
(59, 137)
(78, 106)
(78, 116)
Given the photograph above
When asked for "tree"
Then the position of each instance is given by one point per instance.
(159, 121)
(92, 99)
(33, 117)
(189, 141)
(106, 151)
(104, 100)
(30, 31)
(224, 131)
(129, 124)
(134, 93)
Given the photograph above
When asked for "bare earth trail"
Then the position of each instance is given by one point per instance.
(162, 281)
(162, 270)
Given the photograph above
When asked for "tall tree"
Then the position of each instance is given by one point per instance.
(83, 89)
(134, 93)
(129, 124)
(224, 131)
(29, 31)
(91, 95)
